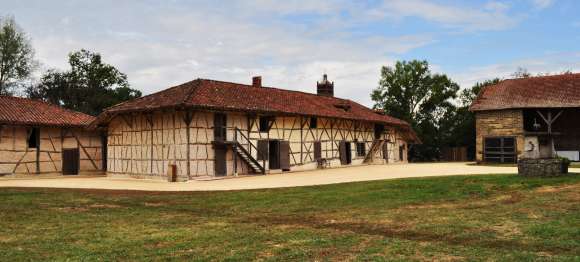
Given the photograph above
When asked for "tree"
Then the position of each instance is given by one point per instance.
(89, 86)
(16, 55)
(410, 91)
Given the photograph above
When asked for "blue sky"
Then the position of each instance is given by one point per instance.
(292, 43)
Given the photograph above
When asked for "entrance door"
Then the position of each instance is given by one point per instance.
(344, 149)
(285, 155)
(274, 154)
(220, 160)
(70, 161)
(386, 151)
(219, 127)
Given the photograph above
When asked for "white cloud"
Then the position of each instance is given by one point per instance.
(552, 64)
(542, 4)
(493, 16)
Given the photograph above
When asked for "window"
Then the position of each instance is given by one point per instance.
(33, 138)
(360, 149)
(500, 150)
(313, 122)
(266, 123)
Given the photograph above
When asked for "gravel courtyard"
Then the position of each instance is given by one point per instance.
(293, 179)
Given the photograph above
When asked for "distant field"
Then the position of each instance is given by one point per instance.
(487, 217)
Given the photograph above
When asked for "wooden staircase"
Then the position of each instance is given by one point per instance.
(243, 153)
(377, 144)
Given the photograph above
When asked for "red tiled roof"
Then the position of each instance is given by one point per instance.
(218, 95)
(23, 111)
(533, 92)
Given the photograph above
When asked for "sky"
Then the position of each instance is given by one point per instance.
(159, 44)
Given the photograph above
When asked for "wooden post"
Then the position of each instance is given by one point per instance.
(187, 119)
(37, 138)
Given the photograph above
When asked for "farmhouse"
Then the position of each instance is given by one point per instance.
(528, 117)
(39, 139)
(213, 128)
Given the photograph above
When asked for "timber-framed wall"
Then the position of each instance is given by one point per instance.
(144, 145)
(45, 158)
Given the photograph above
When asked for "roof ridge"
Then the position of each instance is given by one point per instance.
(540, 76)
(270, 87)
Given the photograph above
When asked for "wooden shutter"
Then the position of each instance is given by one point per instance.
(317, 150)
(285, 155)
(342, 152)
(263, 149)
(386, 150)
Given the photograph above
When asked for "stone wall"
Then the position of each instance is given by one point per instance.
(499, 123)
(541, 167)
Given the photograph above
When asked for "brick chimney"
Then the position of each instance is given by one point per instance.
(257, 81)
(325, 88)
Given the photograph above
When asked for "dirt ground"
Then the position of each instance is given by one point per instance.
(292, 179)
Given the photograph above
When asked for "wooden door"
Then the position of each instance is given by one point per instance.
(274, 154)
(317, 150)
(386, 151)
(70, 161)
(342, 152)
(348, 148)
(285, 155)
(220, 160)
(219, 125)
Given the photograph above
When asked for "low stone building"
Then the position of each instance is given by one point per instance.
(528, 118)
(39, 139)
(214, 128)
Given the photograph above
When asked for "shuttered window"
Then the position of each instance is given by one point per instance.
(265, 123)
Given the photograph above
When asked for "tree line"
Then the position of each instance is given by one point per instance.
(89, 86)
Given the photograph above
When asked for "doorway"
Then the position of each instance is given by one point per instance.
(70, 161)
(220, 160)
(274, 154)
(345, 151)
(220, 124)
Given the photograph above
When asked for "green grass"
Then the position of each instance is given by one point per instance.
(489, 217)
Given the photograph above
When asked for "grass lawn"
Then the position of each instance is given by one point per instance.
(489, 217)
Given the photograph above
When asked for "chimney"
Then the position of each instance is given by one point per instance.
(257, 81)
(325, 88)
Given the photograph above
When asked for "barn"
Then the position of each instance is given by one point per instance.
(528, 118)
(38, 139)
(208, 128)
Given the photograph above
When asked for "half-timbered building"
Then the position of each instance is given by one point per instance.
(39, 139)
(536, 117)
(213, 128)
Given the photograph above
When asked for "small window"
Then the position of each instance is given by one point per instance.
(265, 123)
(317, 150)
(313, 122)
(360, 149)
(33, 138)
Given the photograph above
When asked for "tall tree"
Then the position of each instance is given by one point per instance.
(89, 86)
(410, 91)
(16, 55)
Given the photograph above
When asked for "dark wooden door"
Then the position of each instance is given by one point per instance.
(70, 161)
(274, 154)
(285, 155)
(317, 150)
(220, 160)
(348, 148)
(386, 151)
(344, 149)
(219, 125)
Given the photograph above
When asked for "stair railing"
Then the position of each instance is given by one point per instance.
(250, 146)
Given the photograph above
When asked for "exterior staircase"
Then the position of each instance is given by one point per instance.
(377, 144)
(243, 153)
